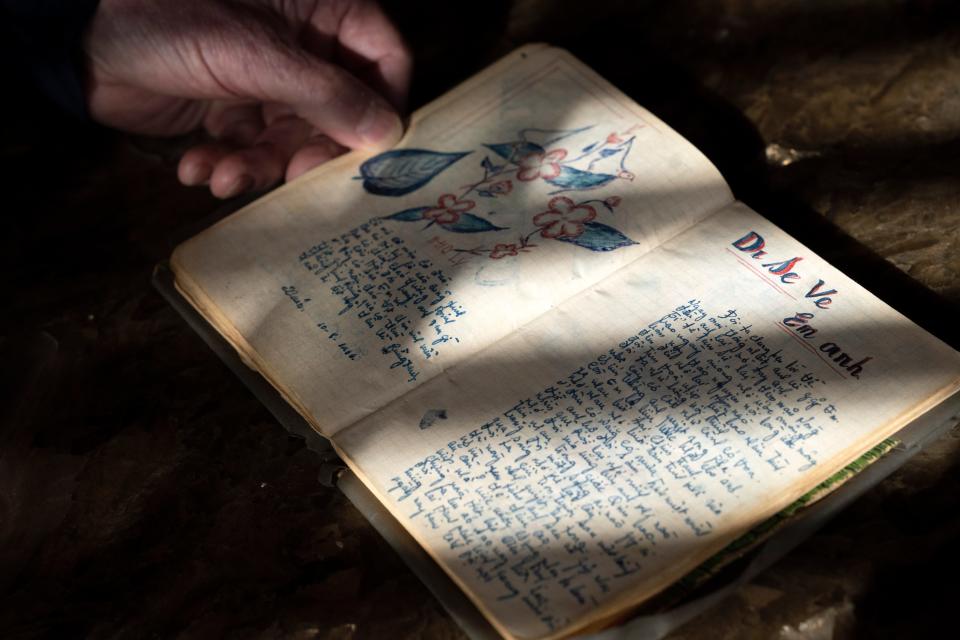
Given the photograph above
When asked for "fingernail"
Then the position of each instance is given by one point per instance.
(197, 173)
(238, 186)
(379, 127)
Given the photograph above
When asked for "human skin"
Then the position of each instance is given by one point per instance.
(280, 87)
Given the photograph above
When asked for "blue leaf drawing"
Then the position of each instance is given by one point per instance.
(513, 151)
(486, 194)
(571, 179)
(599, 237)
(605, 153)
(489, 166)
(400, 171)
(469, 223)
(589, 147)
(408, 215)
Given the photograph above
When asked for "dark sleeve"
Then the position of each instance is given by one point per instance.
(42, 39)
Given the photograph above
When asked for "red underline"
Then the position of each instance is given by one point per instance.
(759, 274)
(809, 348)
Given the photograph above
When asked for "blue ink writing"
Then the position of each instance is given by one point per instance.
(387, 290)
(569, 493)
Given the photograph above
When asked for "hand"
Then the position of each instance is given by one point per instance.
(281, 86)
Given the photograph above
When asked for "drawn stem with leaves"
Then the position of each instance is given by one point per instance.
(598, 164)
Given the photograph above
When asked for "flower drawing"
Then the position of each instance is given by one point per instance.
(504, 250)
(523, 163)
(448, 209)
(539, 164)
(564, 218)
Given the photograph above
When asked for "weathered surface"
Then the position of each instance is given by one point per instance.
(143, 491)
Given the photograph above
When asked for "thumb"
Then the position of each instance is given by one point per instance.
(331, 99)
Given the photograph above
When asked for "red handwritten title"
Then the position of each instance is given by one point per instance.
(753, 243)
(821, 295)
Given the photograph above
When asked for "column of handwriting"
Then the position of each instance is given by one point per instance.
(401, 298)
(565, 497)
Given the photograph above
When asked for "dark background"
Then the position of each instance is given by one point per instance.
(145, 493)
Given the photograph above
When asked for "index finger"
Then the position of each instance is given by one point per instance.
(374, 50)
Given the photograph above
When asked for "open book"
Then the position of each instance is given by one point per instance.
(546, 336)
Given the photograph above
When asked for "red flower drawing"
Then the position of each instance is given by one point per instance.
(540, 165)
(448, 209)
(564, 218)
(504, 250)
(612, 201)
(502, 187)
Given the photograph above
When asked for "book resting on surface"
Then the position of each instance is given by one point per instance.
(549, 340)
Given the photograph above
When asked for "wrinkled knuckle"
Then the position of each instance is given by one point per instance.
(254, 49)
(324, 86)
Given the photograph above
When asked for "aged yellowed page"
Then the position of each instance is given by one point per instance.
(599, 453)
(371, 275)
